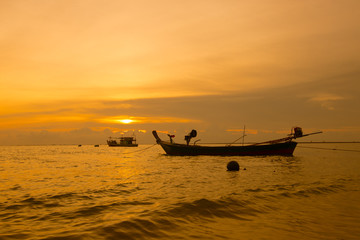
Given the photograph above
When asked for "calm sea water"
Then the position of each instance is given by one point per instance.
(71, 192)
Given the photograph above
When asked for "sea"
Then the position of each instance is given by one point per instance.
(86, 192)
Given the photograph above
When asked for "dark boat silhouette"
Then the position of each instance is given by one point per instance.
(284, 146)
(122, 142)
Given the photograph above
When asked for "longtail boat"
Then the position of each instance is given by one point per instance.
(283, 146)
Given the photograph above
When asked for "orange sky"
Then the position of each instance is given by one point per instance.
(70, 68)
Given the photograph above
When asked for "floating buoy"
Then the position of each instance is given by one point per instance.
(233, 166)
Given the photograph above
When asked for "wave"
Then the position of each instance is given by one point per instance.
(177, 221)
(129, 218)
(174, 220)
(210, 209)
(137, 229)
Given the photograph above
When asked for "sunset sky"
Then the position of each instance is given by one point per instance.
(79, 71)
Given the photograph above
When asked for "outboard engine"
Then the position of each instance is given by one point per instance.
(171, 137)
(191, 135)
(298, 132)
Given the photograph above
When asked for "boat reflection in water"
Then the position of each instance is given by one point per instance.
(284, 146)
(122, 142)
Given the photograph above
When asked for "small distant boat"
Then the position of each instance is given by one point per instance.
(122, 142)
(284, 146)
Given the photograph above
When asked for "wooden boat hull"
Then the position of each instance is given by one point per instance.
(283, 149)
(283, 146)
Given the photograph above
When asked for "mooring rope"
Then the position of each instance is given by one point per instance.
(334, 149)
(140, 150)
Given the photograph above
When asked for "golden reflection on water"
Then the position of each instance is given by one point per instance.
(123, 192)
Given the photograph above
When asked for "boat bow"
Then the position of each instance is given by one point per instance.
(158, 140)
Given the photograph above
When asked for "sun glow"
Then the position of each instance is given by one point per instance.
(125, 121)
(132, 119)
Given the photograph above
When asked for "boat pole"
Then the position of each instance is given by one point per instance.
(243, 136)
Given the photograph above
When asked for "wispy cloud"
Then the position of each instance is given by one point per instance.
(343, 129)
(326, 100)
(247, 131)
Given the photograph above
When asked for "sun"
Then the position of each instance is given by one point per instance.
(126, 121)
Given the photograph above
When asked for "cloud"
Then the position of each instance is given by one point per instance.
(343, 130)
(247, 131)
(192, 49)
(326, 100)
